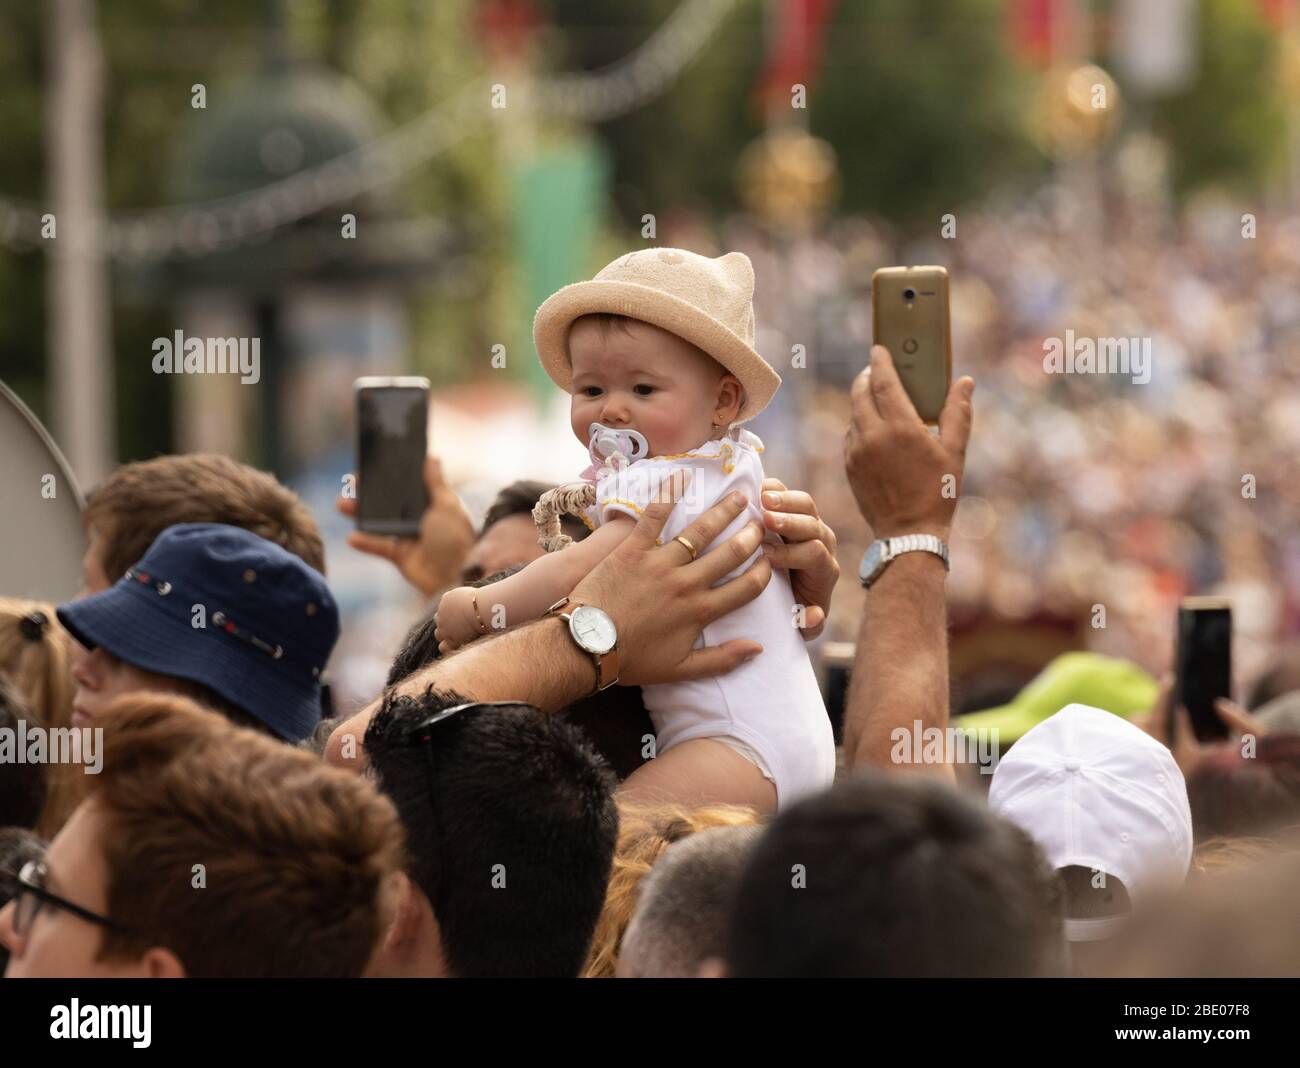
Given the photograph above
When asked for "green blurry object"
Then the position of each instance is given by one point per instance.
(1107, 682)
(559, 199)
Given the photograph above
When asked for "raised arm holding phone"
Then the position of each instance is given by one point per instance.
(906, 481)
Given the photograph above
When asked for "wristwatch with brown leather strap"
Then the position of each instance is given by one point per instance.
(595, 634)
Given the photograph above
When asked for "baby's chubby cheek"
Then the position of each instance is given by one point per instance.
(580, 419)
(668, 430)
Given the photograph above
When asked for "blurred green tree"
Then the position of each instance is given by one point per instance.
(678, 151)
(924, 106)
(921, 102)
(407, 56)
(1229, 125)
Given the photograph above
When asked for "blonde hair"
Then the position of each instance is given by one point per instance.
(35, 656)
(644, 832)
(1216, 856)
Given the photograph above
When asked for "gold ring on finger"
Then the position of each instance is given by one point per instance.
(689, 547)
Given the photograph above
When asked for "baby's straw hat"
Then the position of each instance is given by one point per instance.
(709, 303)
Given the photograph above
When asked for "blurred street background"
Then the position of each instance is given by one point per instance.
(393, 186)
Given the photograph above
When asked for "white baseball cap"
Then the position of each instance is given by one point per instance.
(1094, 790)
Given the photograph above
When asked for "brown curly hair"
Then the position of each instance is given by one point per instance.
(138, 501)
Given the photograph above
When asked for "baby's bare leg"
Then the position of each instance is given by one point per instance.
(700, 772)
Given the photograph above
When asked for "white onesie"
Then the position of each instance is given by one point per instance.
(771, 705)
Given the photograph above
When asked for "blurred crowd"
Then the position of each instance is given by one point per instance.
(510, 819)
(1082, 490)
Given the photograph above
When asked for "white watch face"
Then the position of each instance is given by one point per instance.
(872, 561)
(593, 629)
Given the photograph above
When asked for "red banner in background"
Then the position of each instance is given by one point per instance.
(1277, 13)
(507, 27)
(1029, 26)
(795, 39)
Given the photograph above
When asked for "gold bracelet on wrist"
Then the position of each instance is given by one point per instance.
(482, 627)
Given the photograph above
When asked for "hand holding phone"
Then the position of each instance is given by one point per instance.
(392, 439)
(1204, 663)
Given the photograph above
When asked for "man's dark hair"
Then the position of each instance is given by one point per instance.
(615, 720)
(895, 875)
(23, 784)
(419, 650)
(512, 796)
(519, 498)
(17, 847)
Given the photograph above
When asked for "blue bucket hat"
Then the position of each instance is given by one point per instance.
(266, 629)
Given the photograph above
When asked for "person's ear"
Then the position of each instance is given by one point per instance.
(730, 396)
(713, 968)
(413, 945)
(400, 931)
(410, 909)
(9, 938)
(159, 963)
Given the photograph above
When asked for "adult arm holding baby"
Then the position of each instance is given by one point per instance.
(806, 551)
(527, 594)
(659, 601)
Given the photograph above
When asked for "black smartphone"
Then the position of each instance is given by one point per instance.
(1204, 668)
(392, 440)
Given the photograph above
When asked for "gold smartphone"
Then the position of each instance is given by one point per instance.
(909, 316)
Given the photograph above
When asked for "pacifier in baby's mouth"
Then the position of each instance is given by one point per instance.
(606, 442)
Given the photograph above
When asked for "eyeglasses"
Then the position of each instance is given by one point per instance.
(30, 896)
(421, 733)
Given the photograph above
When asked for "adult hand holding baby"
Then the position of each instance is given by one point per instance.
(660, 598)
(807, 551)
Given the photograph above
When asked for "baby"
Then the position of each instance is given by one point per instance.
(657, 355)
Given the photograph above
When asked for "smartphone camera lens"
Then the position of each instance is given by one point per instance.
(909, 294)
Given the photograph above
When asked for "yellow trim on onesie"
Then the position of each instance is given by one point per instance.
(685, 456)
(726, 451)
(619, 500)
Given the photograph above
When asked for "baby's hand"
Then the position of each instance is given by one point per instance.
(455, 622)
